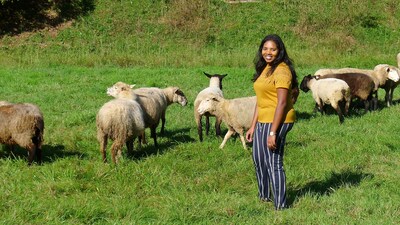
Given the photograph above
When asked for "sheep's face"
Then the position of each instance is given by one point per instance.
(304, 83)
(117, 88)
(207, 105)
(393, 75)
(180, 98)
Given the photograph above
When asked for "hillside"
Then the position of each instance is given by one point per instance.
(213, 33)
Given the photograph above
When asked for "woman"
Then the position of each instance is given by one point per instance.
(275, 85)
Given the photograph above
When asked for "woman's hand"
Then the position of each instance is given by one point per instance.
(249, 134)
(271, 143)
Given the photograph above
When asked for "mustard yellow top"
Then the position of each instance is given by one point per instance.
(267, 98)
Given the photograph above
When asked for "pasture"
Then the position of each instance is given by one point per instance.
(335, 173)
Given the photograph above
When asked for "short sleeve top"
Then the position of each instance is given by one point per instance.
(267, 98)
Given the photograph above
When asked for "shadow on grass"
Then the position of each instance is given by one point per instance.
(50, 153)
(328, 186)
(174, 137)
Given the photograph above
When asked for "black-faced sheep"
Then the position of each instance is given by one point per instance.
(22, 124)
(361, 86)
(120, 120)
(214, 89)
(154, 102)
(331, 91)
(236, 113)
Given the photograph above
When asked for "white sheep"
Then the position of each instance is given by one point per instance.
(22, 124)
(120, 120)
(154, 102)
(331, 91)
(236, 113)
(214, 89)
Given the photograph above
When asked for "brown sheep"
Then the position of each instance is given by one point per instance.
(22, 124)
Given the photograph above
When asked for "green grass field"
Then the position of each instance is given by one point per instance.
(336, 174)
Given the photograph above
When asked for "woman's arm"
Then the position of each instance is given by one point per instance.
(278, 116)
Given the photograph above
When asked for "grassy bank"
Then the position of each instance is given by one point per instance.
(213, 33)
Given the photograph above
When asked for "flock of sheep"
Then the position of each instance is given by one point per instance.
(126, 117)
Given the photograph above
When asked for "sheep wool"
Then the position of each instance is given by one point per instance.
(22, 124)
(237, 114)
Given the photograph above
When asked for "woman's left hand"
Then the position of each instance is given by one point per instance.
(271, 143)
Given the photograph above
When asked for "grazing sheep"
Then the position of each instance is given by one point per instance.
(331, 91)
(22, 124)
(381, 75)
(214, 89)
(392, 75)
(361, 86)
(154, 102)
(120, 120)
(236, 113)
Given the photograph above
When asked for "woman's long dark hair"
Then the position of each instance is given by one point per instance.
(260, 62)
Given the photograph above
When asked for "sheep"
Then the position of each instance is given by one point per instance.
(361, 86)
(154, 102)
(331, 91)
(214, 89)
(381, 74)
(22, 124)
(391, 83)
(120, 120)
(236, 113)
(398, 60)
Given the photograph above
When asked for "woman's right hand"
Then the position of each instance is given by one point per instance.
(249, 134)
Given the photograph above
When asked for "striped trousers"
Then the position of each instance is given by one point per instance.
(268, 164)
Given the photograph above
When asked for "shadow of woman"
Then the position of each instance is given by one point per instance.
(328, 186)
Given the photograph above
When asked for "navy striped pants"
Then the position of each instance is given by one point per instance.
(270, 174)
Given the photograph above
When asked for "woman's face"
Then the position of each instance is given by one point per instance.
(269, 51)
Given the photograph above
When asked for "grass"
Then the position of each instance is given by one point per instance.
(336, 174)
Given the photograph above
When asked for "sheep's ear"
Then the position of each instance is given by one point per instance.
(132, 85)
(317, 77)
(178, 91)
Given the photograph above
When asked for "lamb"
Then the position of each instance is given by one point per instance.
(120, 120)
(237, 114)
(22, 124)
(361, 86)
(331, 91)
(214, 89)
(154, 102)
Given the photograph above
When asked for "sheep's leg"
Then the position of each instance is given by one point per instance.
(227, 136)
(162, 123)
(199, 126)
(346, 107)
(31, 152)
(387, 93)
(243, 141)
(103, 146)
(129, 146)
(116, 151)
(218, 122)
(391, 96)
(207, 124)
(154, 135)
(337, 107)
(366, 105)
